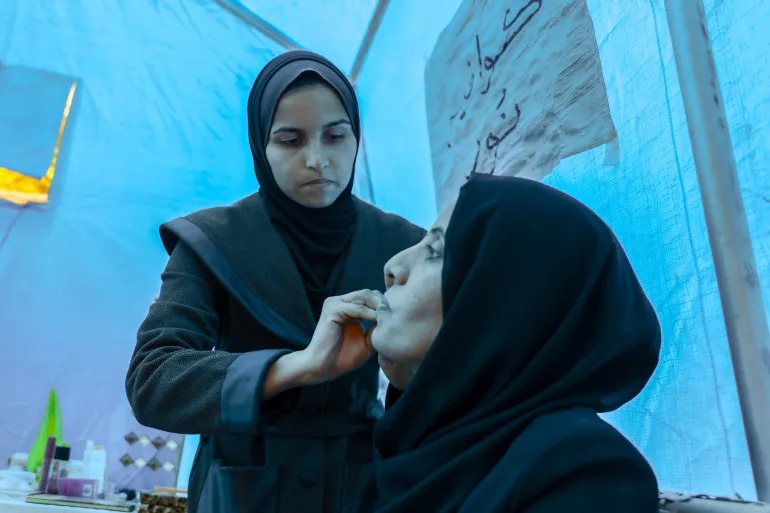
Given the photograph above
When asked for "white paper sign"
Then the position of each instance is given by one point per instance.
(512, 87)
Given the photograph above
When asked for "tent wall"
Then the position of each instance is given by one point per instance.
(158, 130)
(392, 94)
(333, 28)
(687, 421)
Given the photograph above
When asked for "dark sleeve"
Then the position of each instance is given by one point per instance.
(591, 472)
(175, 381)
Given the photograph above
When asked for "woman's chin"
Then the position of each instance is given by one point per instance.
(377, 338)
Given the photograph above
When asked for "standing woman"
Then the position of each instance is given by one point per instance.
(287, 401)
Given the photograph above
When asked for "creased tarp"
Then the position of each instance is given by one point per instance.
(160, 130)
(688, 420)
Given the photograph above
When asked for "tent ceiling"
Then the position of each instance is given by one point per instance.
(316, 25)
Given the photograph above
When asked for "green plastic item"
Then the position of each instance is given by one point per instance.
(51, 426)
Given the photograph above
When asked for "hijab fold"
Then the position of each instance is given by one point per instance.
(316, 237)
(542, 312)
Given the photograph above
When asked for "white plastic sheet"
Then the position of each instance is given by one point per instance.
(513, 88)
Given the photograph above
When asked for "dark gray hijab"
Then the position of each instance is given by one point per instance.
(316, 237)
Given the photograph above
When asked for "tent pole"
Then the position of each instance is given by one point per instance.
(736, 272)
(366, 42)
(238, 10)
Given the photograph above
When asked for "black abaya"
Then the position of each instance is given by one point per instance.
(545, 324)
(316, 237)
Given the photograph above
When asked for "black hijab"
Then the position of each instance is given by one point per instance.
(316, 237)
(542, 312)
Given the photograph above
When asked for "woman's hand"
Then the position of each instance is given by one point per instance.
(338, 346)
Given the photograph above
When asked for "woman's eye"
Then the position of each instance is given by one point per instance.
(433, 253)
(292, 141)
(336, 137)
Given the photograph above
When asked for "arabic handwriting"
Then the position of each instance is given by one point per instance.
(492, 144)
(513, 25)
(470, 85)
(476, 162)
(493, 141)
(478, 54)
(502, 99)
(484, 89)
(507, 26)
(476, 159)
(494, 162)
(460, 112)
(491, 62)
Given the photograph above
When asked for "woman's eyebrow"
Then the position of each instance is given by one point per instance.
(289, 129)
(437, 232)
(336, 123)
(285, 129)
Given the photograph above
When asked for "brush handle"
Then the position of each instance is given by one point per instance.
(50, 448)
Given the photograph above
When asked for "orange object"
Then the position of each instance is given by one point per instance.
(368, 339)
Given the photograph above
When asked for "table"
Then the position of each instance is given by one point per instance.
(16, 504)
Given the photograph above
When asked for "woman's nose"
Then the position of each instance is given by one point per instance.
(395, 275)
(316, 159)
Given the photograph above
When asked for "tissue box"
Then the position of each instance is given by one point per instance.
(72, 487)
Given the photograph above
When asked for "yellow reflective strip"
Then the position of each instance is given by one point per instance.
(22, 189)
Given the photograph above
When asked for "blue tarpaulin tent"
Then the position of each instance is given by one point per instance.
(156, 128)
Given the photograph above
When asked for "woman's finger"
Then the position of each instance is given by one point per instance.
(356, 312)
(369, 298)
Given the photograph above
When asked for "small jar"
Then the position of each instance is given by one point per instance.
(59, 469)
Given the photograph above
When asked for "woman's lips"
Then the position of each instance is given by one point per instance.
(319, 183)
(384, 305)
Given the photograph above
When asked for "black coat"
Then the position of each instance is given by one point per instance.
(231, 285)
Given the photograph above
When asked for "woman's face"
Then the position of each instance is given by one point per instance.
(311, 148)
(411, 313)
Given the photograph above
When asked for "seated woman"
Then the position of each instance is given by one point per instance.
(510, 327)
